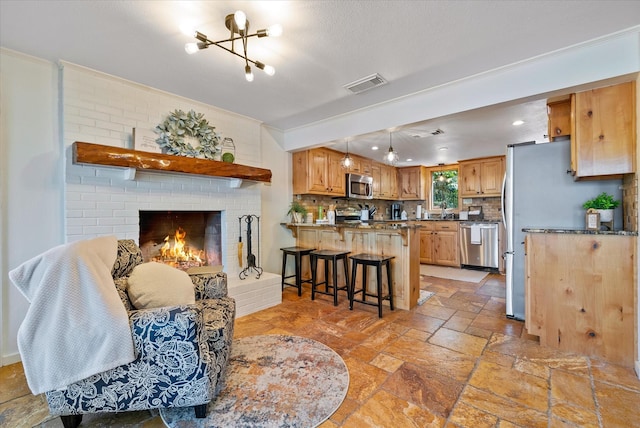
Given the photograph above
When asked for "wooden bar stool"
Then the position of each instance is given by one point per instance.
(330, 257)
(297, 253)
(367, 260)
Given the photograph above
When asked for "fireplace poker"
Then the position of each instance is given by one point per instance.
(240, 241)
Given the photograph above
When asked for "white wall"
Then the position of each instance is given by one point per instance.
(276, 198)
(31, 172)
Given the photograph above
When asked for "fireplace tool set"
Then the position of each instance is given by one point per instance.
(251, 258)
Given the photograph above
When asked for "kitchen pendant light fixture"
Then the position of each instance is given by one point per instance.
(238, 24)
(392, 156)
(347, 162)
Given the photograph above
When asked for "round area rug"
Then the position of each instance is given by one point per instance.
(273, 381)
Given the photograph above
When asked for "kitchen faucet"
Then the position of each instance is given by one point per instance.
(443, 213)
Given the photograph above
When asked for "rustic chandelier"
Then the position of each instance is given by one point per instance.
(238, 25)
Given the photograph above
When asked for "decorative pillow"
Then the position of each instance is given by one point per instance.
(154, 285)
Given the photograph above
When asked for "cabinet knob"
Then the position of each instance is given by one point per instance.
(589, 113)
(558, 131)
(601, 137)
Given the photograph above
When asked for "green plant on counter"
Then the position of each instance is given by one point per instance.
(297, 207)
(603, 201)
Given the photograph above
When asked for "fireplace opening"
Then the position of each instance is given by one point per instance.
(182, 239)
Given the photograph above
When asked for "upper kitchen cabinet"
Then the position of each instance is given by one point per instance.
(361, 165)
(385, 181)
(413, 183)
(481, 177)
(318, 172)
(603, 139)
(559, 113)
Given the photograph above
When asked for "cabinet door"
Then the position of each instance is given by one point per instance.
(388, 181)
(393, 182)
(411, 183)
(446, 248)
(491, 175)
(469, 179)
(605, 131)
(559, 119)
(426, 246)
(376, 173)
(365, 166)
(336, 175)
(318, 164)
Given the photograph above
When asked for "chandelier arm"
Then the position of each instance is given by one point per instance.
(209, 43)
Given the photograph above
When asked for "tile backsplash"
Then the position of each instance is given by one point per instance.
(491, 207)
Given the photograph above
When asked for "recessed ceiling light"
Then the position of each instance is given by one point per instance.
(443, 149)
(518, 122)
(409, 160)
(374, 148)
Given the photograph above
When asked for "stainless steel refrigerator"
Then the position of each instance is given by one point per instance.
(539, 193)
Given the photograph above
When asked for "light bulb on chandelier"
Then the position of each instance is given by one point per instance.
(392, 156)
(347, 162)
(238, 26)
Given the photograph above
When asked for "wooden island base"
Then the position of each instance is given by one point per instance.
(402, 242)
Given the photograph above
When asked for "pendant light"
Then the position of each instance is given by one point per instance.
(347, 162)
(392, 156)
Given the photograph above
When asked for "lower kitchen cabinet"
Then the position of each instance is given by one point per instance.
(580, 294)
(439, 243)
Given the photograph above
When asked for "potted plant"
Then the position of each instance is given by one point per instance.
(604, 203)
(297, 211)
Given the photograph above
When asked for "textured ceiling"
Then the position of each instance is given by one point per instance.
(414, 45)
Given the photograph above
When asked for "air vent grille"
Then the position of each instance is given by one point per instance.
(365, 83)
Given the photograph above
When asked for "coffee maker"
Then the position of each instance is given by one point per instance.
(396, 211)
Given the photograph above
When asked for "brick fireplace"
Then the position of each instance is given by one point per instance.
(101, 200)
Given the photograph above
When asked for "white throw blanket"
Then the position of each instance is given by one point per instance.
(76, 325)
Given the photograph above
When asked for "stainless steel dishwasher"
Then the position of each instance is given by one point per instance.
(479, 244)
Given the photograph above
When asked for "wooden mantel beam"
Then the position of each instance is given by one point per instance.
(98, 154)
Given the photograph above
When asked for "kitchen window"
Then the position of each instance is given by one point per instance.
(444, 189)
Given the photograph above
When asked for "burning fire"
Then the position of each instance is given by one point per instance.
(180, 251)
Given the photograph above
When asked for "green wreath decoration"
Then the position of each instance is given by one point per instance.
(180, 124)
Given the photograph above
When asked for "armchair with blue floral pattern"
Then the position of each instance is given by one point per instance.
(181, 352)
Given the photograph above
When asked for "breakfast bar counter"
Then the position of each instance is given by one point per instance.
(400, 240)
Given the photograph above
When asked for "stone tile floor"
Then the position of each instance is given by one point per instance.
(455, 361)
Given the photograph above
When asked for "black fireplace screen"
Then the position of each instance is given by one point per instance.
(182, 239)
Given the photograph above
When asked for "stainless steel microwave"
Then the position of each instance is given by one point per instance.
(359, 186)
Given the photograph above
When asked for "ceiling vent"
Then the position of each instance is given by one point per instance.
(365, 83)
(424, 134)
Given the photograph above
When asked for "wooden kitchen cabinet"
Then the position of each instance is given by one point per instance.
(426, 242)
(412, 183)
(580, 294)
(361, 165)
(385, 181)
(559, 113)
(439, 243)
(481, 177)
(603, 141)
(319, 172)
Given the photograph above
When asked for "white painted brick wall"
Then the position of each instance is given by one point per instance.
(103, 109)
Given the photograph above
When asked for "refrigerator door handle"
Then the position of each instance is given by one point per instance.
(503, 200)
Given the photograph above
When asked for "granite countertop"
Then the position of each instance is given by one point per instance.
(383, 225)
(579, 231)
